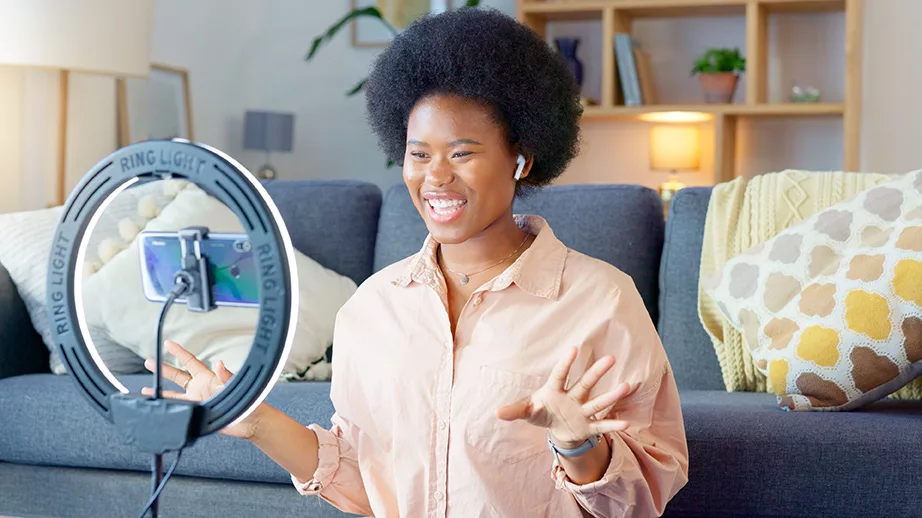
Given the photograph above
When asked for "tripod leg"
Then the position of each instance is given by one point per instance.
(156, 477)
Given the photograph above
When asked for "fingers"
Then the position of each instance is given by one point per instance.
(189, 361)
(224, 375)
(608, 426)
(581, 389)
(602, 403)
(518, 410)
(171, 373)
(558, 379)
(172, 394)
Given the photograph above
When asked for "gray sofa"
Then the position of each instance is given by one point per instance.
(747, 457)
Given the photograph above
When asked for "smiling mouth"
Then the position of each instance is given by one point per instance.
(446, 207)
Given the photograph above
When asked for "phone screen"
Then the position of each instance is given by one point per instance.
(230, 260)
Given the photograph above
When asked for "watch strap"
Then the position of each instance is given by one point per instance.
(574, 452)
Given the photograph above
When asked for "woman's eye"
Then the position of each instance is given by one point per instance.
(418, 154)
(461, 154)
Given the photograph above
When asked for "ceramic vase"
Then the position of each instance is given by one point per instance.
(567, 48)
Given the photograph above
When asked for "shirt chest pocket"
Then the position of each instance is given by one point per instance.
(505, 441)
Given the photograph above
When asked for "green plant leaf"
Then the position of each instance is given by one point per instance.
(357, 88)
(472, 3)
(719, 60)
(371, 12)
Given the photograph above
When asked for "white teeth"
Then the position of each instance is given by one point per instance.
(446, 204)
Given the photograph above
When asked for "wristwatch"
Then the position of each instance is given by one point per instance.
(574, 452)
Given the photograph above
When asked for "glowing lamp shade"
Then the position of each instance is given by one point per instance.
(99, 36)
(675, 147)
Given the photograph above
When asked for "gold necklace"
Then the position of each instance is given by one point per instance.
(465, 278)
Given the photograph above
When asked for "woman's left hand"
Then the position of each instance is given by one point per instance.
(568, 413)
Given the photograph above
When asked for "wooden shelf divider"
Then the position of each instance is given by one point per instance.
(756, 53)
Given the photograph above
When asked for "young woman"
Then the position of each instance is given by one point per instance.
(496, 372)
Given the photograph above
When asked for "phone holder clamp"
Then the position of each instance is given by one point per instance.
(195, 271)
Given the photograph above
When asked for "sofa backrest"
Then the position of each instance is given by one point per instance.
(687, 344)
(333, 222)
(620, 224)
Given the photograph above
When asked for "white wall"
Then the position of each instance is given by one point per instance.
(244, 54)
(892, 100)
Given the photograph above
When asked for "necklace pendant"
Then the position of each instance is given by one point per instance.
(464, 279)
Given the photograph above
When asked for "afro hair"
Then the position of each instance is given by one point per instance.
(484, 55)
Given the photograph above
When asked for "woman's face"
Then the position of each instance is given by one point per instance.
(458, 167)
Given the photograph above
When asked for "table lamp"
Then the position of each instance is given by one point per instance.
(110, 37)
(268, 131)
(674, 147)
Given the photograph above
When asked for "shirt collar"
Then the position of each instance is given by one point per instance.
(537, 271)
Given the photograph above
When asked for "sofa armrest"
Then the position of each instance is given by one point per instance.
(21, 348)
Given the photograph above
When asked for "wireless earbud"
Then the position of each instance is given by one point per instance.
(518, 170)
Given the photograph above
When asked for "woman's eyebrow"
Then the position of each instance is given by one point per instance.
(460, 141)
(453, 143)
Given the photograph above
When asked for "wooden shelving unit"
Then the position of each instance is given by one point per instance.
(617, 16)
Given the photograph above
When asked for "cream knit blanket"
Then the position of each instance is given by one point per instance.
(742, 214)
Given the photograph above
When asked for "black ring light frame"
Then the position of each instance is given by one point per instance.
(222, 177)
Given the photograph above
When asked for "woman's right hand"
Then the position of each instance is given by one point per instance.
(200, 383)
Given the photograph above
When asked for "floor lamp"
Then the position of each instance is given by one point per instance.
(111, 37)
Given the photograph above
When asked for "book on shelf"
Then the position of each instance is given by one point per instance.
(634, 72)
(627, 70)
(645, 76)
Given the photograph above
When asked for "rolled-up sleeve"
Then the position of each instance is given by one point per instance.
(649, 460)
(338, 479)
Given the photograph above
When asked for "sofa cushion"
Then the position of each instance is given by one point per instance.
(46, 421)
(687, 344)
(620, 224)
(830, 308)
(749, 458)
(334, 222)
(21, 350)
(94, 493)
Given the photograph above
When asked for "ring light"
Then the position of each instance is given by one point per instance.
(152, 424)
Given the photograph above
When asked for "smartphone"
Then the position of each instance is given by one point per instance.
(230, 260)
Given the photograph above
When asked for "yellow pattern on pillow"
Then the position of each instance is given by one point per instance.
(832, 319)
(742, 215)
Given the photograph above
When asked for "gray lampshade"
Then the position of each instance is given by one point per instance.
(268, 131)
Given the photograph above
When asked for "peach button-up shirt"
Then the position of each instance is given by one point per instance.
(415, 431)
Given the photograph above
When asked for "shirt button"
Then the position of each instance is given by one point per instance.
(443, 425)
(438, 495)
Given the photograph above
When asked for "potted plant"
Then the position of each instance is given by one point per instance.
(718, 71)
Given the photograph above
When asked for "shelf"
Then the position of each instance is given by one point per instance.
(680, 8)
(799, 6)
(558, 11)
(591, 9)
(740, 110)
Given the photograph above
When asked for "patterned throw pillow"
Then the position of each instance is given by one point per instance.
(831, 308)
